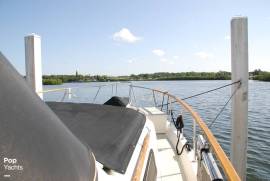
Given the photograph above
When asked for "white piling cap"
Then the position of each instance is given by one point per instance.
(32, 35)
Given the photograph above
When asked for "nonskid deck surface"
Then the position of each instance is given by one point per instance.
(169, 169)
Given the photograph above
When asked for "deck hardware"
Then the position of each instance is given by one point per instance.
(107, 170)
(186, 145)
(180, 123)
(206, 164)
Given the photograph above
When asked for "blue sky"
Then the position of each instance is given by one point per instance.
(121, 37)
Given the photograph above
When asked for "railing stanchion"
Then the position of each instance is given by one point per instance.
(161, 108)
(96, 94)
(170, 109)
(167, 104)
(170, 104)
(116, 88)
(182, 111)
(129, 94)
(134, 96)
(194, 139)
(154, 98)
(65, 93)
(69, 93)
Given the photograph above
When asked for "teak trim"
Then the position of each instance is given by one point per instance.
(139, 166)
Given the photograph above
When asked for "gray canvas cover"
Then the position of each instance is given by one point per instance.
(112, 132)
(34, 143)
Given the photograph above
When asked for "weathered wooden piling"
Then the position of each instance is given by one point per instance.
(239, 64)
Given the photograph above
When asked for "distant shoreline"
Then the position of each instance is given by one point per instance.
(160, 76)
(59, 79)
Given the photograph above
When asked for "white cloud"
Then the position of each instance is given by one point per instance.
(158, 52)
(204, 55)
(227, 37)
(171, 62)
(175, 57)
(124, 35)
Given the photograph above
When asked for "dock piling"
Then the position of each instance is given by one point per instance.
(33, 68)
(239, 64)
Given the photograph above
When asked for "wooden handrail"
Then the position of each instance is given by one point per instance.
(220, 154)
(94, 86)
(53, 90)
(139, 166)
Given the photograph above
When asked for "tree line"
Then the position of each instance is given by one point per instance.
(260, 75)
(221, 75)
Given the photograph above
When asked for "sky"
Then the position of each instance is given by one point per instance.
(120, 37)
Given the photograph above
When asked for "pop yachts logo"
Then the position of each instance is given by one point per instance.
(11, 164)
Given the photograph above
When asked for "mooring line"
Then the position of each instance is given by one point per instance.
(224, 106)
(236, 82)
(211, 90)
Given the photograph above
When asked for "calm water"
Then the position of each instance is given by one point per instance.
(207, 106)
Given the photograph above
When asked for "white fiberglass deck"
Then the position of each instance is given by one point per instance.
(167, 163)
